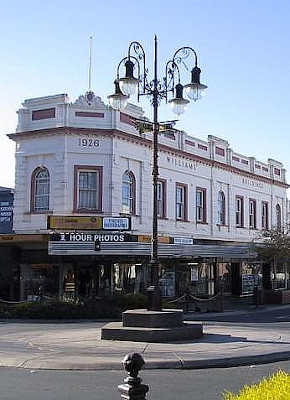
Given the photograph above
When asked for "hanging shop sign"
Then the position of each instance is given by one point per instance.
(88, 223)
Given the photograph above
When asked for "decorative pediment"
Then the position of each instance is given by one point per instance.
(89, 101)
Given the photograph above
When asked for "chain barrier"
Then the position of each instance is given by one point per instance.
(13, 302)
(187, 298)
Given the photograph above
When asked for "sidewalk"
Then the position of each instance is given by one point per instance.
(77, 345)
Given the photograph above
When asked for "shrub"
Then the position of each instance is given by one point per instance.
(276, 387)
(130, 301)
(110, 307)
(87, 308)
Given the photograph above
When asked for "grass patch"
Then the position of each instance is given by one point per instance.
(276, 387)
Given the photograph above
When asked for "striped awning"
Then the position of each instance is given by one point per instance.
(165, 250)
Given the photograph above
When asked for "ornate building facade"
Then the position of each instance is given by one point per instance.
(83, 204)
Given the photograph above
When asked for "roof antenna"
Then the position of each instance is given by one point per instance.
(90, 95)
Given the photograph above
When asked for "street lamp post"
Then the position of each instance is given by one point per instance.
(124, 87)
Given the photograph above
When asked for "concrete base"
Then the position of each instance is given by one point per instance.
(152, 326)
(152, 319)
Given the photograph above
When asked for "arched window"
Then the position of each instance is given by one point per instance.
(221, 208)
(128, 193)
(40, 184)
(278, 217)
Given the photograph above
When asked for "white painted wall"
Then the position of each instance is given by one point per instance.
(116, 146)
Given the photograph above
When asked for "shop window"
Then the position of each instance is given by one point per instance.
(279, 276)
(128, 193)
(201, 205)
(180, 202)
(38, 281)
(88, 184)
(221, 208)
(265, 215)
(40, 190)
(161, 197)
(239, 211)
(252, 214)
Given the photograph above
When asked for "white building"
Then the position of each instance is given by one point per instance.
(83, 172)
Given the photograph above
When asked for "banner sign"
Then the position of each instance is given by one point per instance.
(117, 223)
(6, 209)
(86, 237)
(181, 240)
(88, 223)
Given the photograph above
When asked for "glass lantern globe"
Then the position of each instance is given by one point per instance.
(118, 100)
(178, 104)
(195, 91)
(128, 85)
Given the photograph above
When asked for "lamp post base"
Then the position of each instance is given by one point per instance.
(154, 298)
(152, 327)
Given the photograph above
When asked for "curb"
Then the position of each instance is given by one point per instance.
(226, 362)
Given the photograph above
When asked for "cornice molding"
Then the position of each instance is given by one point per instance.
(147, 143)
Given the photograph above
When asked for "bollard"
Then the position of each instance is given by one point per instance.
(133, 389)
(256, 296)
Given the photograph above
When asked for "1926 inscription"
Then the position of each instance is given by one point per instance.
(88, 142)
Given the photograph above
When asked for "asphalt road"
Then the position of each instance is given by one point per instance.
(205, 384)
(256, 315)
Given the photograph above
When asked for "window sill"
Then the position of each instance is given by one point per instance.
(87, 211)
(35, 212)
(128, 215)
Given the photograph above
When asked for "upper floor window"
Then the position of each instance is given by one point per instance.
(221, 208)
(201, 205)
(265, 215)
(88, 189)
(40, 185)
(128, 193)
(278, 217)
(180, 201)
(252, 214)
(161, 203)
(239, 211)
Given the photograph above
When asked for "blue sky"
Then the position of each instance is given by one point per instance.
(242, 46)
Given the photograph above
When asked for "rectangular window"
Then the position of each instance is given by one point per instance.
(239, 211)
(43, 114)
(128, 193)
(88, 186)
(201, 205)
(264, 215)
(221, 209)
(89, 114)
(252, 214)
(181, 204)
(220, 151)
(161, 203)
